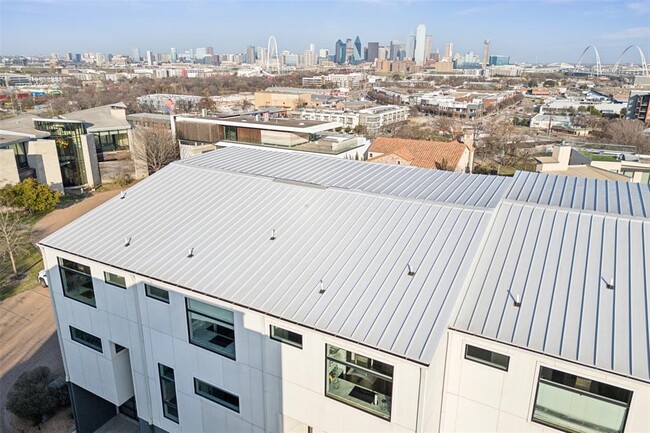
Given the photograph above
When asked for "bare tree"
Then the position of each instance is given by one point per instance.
(448, 127)
(628, 132)
(154, 148)
(503, 145)
(14, 236)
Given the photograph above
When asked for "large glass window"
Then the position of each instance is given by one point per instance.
(575, 404)
(230, 133)
(67, 136)
(168, 392)
(217, 395)
(86, 339)
(211, 327)
(77, 282)
(357, 380)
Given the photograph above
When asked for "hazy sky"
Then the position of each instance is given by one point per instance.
(546, 30)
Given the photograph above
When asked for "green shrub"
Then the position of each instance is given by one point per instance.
(37, 393)
(30, 195)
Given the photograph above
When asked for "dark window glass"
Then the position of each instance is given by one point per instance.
(168, 392)
(77, 282)
(286, 336)
(156, 293)
(115, 280)
(211, 327)
(86, 339)
(572, 403)
(487, 357)
(217, 395)
(118, 348)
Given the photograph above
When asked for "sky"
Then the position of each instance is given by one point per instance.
(528, 30)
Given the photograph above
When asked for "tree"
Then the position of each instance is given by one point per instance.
(502, 144)
(14, 235)
(628, 132)
(206, 103)
(30, 196)
(36, 394)
(154, 148)
(448, 127)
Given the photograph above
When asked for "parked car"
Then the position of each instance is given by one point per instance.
(42, 278)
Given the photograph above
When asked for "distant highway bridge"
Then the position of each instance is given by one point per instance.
(599, 69)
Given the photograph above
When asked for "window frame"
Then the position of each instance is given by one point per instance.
(350, 403)
(214, 399)
(162, 378)
(83, 342)
(577, 391)
(482, 361)
(292, 343)
(147, 292)
(64, 281)
(112, 283)
(189, 310)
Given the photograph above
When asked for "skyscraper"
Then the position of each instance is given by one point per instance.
(393, 52)
(410, 47)
(373, 51)
(349, 50)
(428, 47)
(420, 43)
(486, 53)
(357, 55)
(449, 51)
(149, 58)
(250, 55)
(339, 52)
(174, 55)
(135, 54)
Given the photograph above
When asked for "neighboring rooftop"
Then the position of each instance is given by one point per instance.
(105, 118)
(420, 153)
(23, 124)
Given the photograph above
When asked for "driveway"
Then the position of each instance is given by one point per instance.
(27, 327)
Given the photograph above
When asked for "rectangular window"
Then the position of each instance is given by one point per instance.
(572, 403)
(211, 327)
(487, 357)
(359, 381)
(156, 293)
(77, 282)
(168, 392)
(86, 339)
(217, 395)
(115, 280)
(286, 336)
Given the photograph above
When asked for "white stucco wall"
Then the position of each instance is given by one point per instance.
(42, 156)
(8, 168)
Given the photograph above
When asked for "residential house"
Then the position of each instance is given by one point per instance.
(437, 155)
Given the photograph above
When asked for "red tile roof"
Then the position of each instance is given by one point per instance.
(420, 153)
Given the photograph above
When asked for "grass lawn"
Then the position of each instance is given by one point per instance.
(598, 156)
(28, 262)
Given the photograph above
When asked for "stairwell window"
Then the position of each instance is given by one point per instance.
(286, 336)
(115, 280)
(217, 395)
(88, 340)
(487, 357)
(211, 327)
(168, 392)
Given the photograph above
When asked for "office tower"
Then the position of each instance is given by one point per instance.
(435, 57)
(77, 58)
(382, 53)
(420, 43)
(192, 55)
(373, 51)
(174, 55)
(498, 60)
(339, 52)
(410, 47)
(449, 51)
(323, 53)
(250, 55)
(201, 53)
(486, 53)
(135, 54)
(68, 57)
(393, 51)
(428, 47)
(149, 58)
(357, 54)
(312, 48)
(209, 51)
(349, 50)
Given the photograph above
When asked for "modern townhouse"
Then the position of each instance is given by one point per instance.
(245, 290)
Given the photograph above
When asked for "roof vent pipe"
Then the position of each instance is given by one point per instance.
(411, 270)
(321, 288)
(190, 253)
(272, 234)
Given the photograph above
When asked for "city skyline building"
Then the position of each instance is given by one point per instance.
(373, 51)
(357, 54)
(499, 60)
(135, 54)
(250, 55)
(486, 53)
(149, 58)
(410, 46)
(420, 36)
(174, 53)
(449, 51)
(339, 52)
(428, 47)
(349, 50)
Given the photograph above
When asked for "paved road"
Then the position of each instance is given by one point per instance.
(27, 327)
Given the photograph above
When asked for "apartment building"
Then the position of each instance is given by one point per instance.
(247, 291)
(374, 119)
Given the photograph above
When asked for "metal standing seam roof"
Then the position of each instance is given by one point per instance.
(358, 244)
(622, 198)
(393, 180)
(559, 262)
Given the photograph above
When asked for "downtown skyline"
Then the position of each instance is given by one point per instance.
(530, 31)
